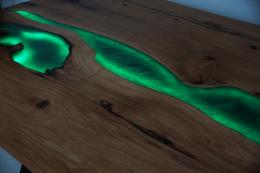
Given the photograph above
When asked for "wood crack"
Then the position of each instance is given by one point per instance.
(148, 132)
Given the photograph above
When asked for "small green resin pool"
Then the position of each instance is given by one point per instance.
(228, 106)
(41, 51)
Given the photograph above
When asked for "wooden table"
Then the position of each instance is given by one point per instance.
(60, 123)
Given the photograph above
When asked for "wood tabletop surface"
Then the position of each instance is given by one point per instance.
(61, 123)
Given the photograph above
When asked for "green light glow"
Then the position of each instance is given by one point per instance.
(229, 106)
(42, 50)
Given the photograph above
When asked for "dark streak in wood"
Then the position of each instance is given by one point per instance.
(214, 25)
(125, 4)
(73, 1)
(39, 75)
(89, 6)
(150, 133)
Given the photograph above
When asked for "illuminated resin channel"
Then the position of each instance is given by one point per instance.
(229, 106)
(41, 50)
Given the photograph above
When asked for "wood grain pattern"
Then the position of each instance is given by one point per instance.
(85, 119)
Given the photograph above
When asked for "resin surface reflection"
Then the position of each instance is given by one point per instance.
(41, 50)
(229, 106)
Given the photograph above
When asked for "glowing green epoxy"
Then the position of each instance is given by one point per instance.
(229, 106)
(10, 41)
(42, 50)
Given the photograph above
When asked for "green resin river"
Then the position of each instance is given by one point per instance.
(42, 51)
(231, 107)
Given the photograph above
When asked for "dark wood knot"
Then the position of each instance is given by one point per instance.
(106, 105)
(43, 104)
(209, 58)
(253, 47)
